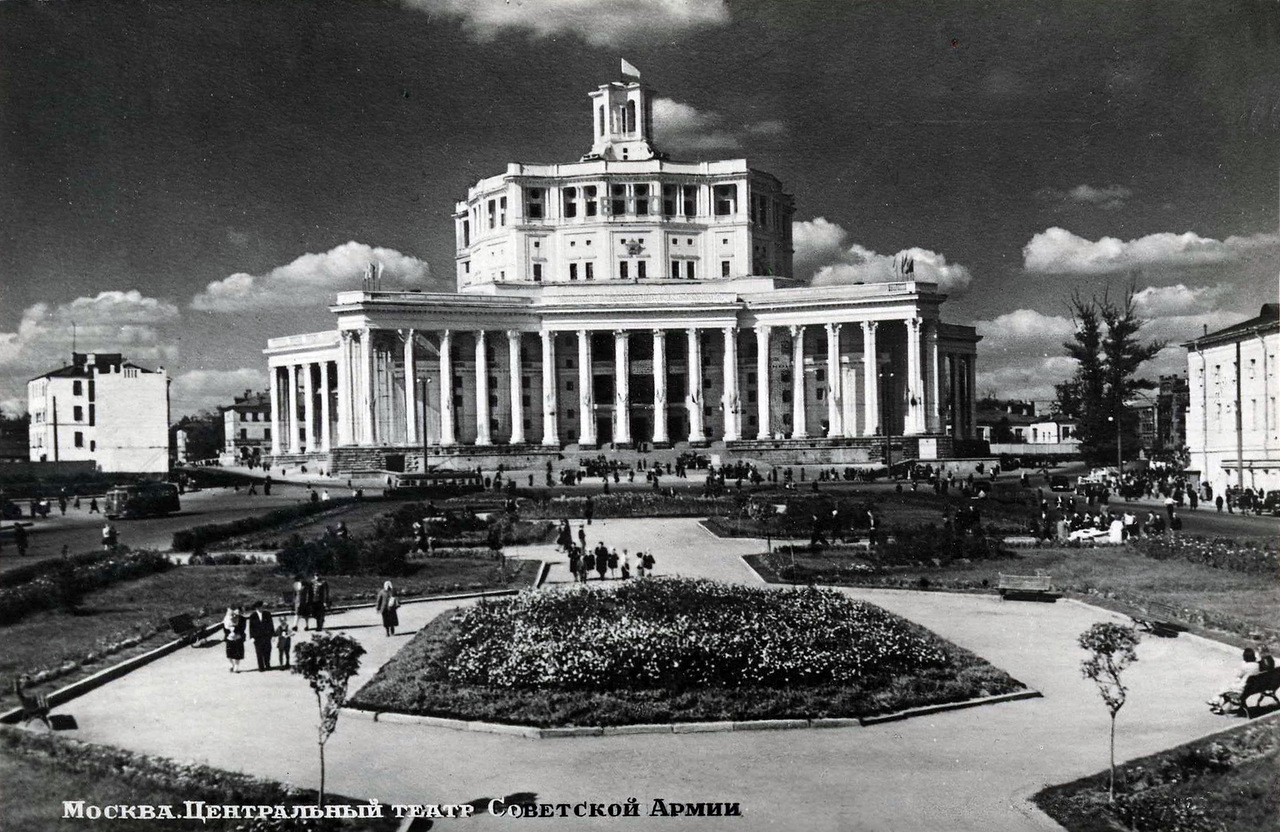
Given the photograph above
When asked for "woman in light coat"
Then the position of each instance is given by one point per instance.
(386, 605)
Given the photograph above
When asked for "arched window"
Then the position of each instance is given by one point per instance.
(631, 117)
(602, 120)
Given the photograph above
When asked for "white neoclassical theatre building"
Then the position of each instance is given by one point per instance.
(624, 299)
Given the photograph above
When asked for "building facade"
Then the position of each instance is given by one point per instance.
(103, 409)
(620, 300)
(1233, 422)
(246, 428)
(1162, 423)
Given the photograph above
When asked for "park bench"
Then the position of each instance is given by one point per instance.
(1027, 586)
(1262, 685)
(33, 706)
(184, 628)
(1159, 620)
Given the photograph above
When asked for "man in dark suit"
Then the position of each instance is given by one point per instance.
(261, 630)
(319, 600)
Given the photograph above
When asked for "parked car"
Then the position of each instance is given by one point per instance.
(1060, 483)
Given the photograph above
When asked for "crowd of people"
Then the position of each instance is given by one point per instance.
(606, 563)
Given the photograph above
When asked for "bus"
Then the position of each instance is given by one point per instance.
(141, 500)
(440, 483)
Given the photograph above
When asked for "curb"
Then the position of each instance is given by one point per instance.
(532, 732)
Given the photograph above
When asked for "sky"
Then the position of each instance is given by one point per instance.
(182, 181)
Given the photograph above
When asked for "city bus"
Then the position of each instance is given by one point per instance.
(141, 500)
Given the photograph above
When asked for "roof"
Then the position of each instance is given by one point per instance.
(102, 362)
(1268, 318)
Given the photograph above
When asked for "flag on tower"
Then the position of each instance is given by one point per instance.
(630, 71)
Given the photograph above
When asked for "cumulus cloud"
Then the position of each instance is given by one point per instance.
(1058, 251)
(1161, 301)
(1020, 355)
(598, 22)
(825, 256)
(310, 279)
(1108, 198)
(683, 127)
(112, 321)
(197, 390)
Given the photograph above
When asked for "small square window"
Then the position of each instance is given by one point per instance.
(571, 414)
(568, 385)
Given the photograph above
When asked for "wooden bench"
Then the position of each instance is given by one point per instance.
(33, 707)
(1159, 620)
(184, 628)
(1262, 685)
(1028, 586)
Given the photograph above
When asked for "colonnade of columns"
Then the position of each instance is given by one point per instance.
(909, 398)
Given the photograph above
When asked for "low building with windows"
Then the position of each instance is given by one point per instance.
(104, 409)
(625, 299)
(246, 428)
(1233, 422)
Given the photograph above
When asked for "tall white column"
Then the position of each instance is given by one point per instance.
(730, 402)
(295, 429)
(326, 436)
(621, 387)
(517, 373)
(971, 386)
(550, 428)
(660, 436)
(586, 399)
(835, 399)
(870, 380)
(276, 421)
(799, 428)
(369, 370)
(694, 377)
(345, 434)
(762, 382)
(915, 380)
(309, 407)
(935, 380)
(410, 390)
(483, 436)
(448, 435)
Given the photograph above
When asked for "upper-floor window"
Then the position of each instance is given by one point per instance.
(726, 200)
(502, 211)
(77, 388)
(631, 117)
(79, 439)
(493, 213)
(533, 203)
(670, 196)
(641, 193)
(589, 200)
(618, 200)
(77, 413)
(466, 233)
(690, 200)
(570, 198)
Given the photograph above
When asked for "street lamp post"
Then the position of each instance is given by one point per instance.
(1119, 454)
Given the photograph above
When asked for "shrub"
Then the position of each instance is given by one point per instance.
(1255, 557)
(187, 540)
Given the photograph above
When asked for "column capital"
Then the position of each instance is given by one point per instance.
(514, 334)
(660, 333)
(797, 330)
(763, 328)
(870, 326)
(406, 334)
(693, 331)
(833, 326)
(546, 335)
(347, 335)
(915, 322)
(621, 333)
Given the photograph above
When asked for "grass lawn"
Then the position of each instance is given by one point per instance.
(359, 518)
(47, 639)
(1117, 574)
(1229, 778)
(652, 651)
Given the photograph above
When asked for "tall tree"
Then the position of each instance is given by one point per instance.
(1108, 353)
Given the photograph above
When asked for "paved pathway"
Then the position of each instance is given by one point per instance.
(966, 770)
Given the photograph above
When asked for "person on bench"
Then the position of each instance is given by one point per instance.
(1235, 687)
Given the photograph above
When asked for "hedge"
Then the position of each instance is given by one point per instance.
(198, 537)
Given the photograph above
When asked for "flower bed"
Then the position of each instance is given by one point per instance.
(188, 781)
(674, 650)
(1222, 783)
(631, 504)
(1252, 556)
(69, 579)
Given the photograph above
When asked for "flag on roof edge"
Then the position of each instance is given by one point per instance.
(629, 70)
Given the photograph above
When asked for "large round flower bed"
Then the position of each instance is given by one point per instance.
(670, 650)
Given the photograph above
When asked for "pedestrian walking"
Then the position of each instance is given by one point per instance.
(602, 560)
(93, 505)
(319, 600)
(387, 605)
(582, 537)
(233, 637)
(575, 562)
(613, 563)
(301, 603)
(20, 539)
(110, 538)
(588, 563)
(648, 559)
